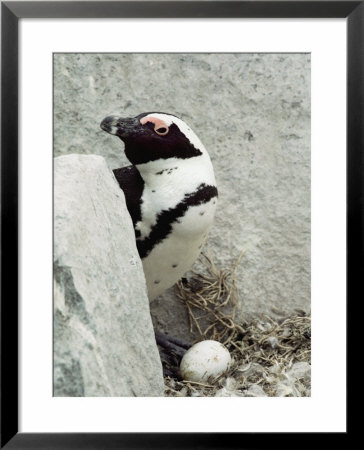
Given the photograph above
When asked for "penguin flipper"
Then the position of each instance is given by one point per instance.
(132, 184)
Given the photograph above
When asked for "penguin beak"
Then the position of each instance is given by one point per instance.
(118, 126)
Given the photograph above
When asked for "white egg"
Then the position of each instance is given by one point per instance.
(205, 360)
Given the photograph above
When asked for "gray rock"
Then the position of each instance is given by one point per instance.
(104, 341)
(252, 112)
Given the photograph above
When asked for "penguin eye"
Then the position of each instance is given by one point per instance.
(162, 131)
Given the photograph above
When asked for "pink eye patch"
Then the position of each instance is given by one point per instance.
(160, 127)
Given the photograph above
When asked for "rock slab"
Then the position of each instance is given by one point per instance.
(104, 341)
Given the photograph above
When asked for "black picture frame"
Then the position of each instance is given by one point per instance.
(11, 12)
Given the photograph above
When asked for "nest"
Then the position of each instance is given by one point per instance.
(270, 358)
(211, 299)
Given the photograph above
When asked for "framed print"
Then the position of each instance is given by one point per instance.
(274, 91)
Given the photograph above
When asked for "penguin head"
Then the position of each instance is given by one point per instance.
(153, 136)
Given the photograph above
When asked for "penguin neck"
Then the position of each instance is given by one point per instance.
(174, 171)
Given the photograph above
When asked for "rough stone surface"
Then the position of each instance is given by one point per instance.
(252, 112)
(104, 342)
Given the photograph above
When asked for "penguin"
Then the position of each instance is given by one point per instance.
(170, 192)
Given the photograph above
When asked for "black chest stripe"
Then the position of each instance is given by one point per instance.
(163, 227)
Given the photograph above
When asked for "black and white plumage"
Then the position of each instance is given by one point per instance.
(170, 193)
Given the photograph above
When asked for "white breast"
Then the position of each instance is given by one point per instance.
(169, 260)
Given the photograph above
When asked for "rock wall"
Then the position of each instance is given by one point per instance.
(252, 112)
(104, 341)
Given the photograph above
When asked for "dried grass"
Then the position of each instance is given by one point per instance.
(211, 297)
(269, 357)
